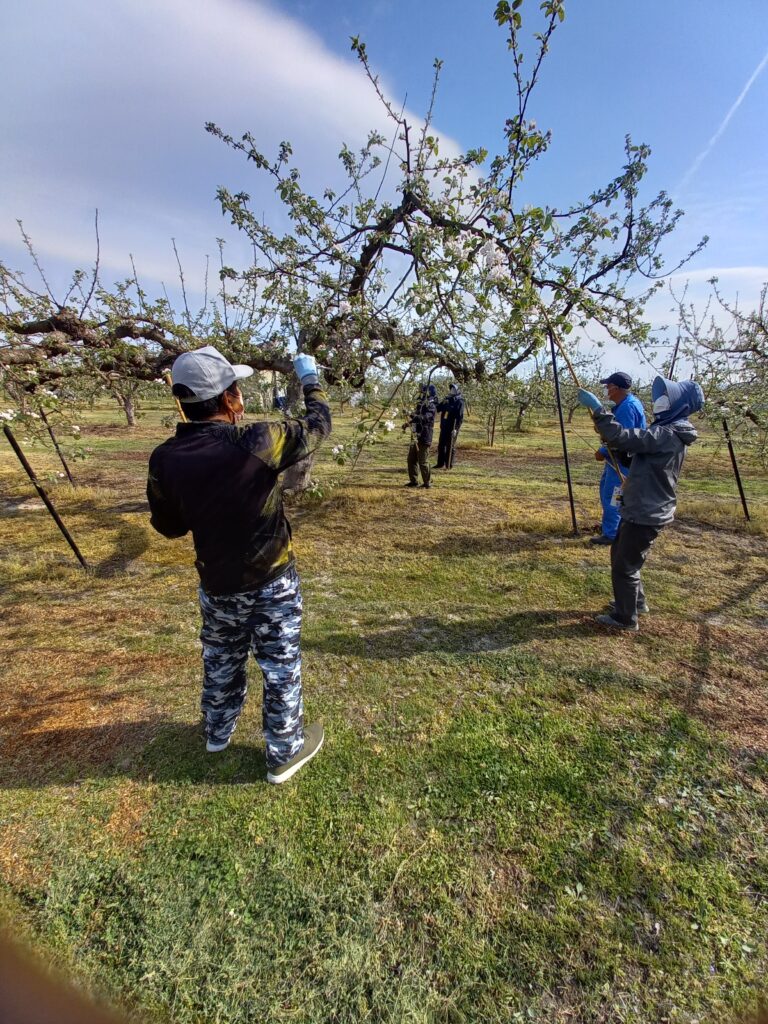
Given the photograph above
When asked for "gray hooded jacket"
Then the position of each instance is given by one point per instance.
(650, 490)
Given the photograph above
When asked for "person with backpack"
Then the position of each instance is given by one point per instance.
(649, 492)
(219, 480)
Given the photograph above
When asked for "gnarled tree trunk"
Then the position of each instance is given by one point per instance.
(128, 406)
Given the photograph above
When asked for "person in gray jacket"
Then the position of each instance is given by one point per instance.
(649, 493)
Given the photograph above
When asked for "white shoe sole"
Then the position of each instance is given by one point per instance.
(215, 748)
(277, 780)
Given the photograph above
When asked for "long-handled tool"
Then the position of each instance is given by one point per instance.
(169, 382)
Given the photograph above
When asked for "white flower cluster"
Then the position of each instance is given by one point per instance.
(355, 399)
(8, 414)
(458, 246)
(495, 261)
(345, 307)
(337, 450)
(75, 429)
(389, 425)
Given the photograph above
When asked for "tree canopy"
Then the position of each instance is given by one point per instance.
(418, 256)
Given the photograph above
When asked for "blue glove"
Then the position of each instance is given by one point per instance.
(591, 401)
(306, 368)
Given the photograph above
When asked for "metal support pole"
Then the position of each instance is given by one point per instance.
(735, 465)
(59, 452)
(46, 500)
(562, 433)
(674, 358)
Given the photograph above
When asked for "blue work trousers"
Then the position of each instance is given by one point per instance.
(608, 481)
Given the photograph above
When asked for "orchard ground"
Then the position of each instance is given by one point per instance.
(516, 816)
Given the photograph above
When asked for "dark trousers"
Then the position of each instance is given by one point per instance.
(629, 551)
(446, 452)
(418, 455)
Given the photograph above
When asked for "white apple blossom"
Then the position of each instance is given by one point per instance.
(345, 307)
(355, 399)
(389, 425)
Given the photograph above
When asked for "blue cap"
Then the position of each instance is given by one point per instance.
(620, 379)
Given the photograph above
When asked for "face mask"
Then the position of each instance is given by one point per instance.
(661, 404)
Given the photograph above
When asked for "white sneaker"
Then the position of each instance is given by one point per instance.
(214, 748)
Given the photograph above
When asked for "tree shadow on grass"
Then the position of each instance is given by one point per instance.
(149, 750)
(131, 542)
(472, 544)
(424, 634)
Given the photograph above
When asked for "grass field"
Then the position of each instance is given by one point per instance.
(516, 817)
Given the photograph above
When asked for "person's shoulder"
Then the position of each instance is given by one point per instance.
(162, 450)
(253, 433)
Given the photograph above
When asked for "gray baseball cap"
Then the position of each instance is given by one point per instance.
(206, 372)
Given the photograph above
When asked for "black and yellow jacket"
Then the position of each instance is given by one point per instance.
(221, 482)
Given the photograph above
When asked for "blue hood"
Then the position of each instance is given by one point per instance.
(685, 397)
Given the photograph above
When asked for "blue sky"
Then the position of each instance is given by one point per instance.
(109, 101)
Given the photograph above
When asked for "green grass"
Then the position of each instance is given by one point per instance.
(515, 817)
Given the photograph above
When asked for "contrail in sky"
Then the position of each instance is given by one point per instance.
(723, 125)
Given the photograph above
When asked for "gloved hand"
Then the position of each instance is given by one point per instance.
(306, 368)
(592, 402)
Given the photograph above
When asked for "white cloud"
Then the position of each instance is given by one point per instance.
(109, 106)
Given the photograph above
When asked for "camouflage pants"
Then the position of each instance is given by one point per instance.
(268, 623)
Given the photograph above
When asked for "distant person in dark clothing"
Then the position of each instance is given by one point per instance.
(422, 424)
(451, 411)
(649, 494)
(219, 480)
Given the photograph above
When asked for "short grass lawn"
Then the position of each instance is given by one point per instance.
(516, 816)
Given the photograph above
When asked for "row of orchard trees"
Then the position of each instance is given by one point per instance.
(418, 258)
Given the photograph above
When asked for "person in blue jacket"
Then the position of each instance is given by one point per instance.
(628, 411)
(649, 497)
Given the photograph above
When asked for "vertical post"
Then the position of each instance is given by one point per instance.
(59, 452)
(735, 465)
(562, 433)
(46, 500)
(674, 357)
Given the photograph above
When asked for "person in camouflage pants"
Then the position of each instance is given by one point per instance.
(220, 481)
